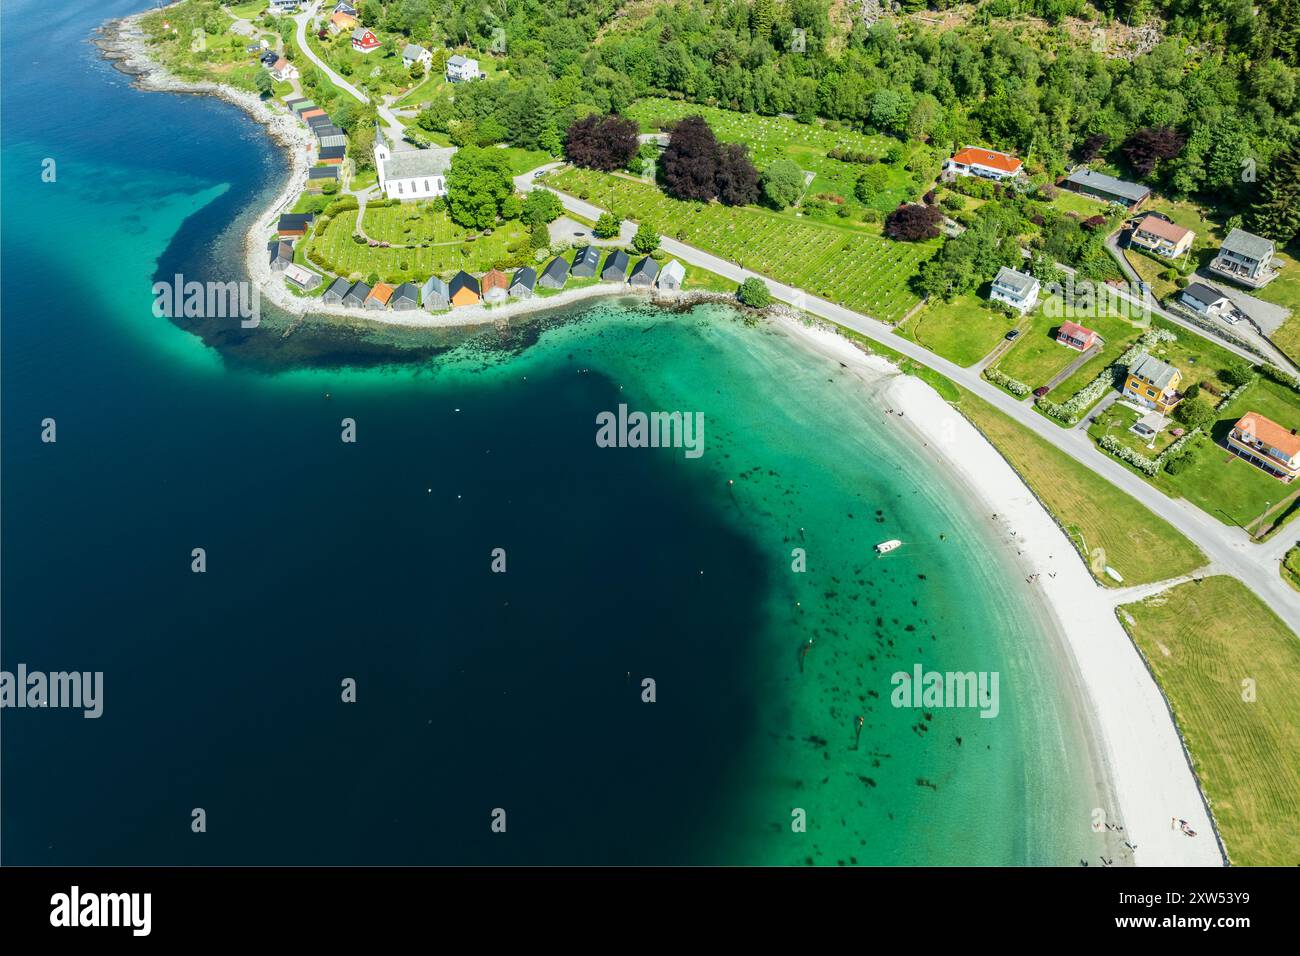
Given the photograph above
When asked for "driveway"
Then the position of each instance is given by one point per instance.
(1265, 315)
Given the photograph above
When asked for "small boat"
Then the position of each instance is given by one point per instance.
(1113, 574)
(886, 546)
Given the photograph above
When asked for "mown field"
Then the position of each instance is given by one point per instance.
(770, 138)
(1204, 641)
(444, 248)
(853, 268)
(1223, 485)
(962, 331)
(1094, 513)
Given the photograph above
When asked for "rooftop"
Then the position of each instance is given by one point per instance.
(414, 163)
(1151, 369)
(1248, 244)
(1270, 433)
(973, 155)
(1016, 281)
(1109, 184)
(1163, 228)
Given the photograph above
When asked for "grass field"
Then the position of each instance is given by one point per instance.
(1291, 567)
(1203, 640)
(1285, 291)
(1037, 357)
(853, 268)
(962, 331)
(445, 247)
(1223, 485)
(1094, 513)
(1116, 422)
(770, 138)
(222, 58)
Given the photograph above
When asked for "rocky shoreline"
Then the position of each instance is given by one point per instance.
(124, 44)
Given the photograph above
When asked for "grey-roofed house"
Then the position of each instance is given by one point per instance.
(332, 154)
(1152, 383)
(304, 279)
(281, 254)
(405, 297)
(672, 275)
(556, 273)
(644, 272)
(294, 223)
(522, 282)
(436, 295)
(1016, 289)
(331, 130)
(1245, 258)
(1205, 300)
(357, 295)
(615, 267)
(1107, 188)
(335, 293)
(323, 172)
(413, 53)
(585, 263)
(336, 140)
(315, 123)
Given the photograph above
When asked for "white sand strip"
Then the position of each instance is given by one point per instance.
(1140, 746)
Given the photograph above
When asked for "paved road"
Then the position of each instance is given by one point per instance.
(302, 20)
(1265, 347)
(1228, 548)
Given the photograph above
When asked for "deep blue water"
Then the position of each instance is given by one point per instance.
(368, 561)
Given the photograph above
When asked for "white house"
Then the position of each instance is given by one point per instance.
(985, 163)
(1246, 259)
(283, 71)
(414, 53)
(461, 69)
(1016, 289)
(1205, 300)
(284, 6)
(411, 173)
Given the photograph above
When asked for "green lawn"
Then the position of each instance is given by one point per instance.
(771, 137)
(221, 58)
(1036, 357)
(1203, 640)
(962, 331)
(851, 267)
(1085, 206)
(522, 160)
(1220, 483)
(1116, 422)
(444, 247)
(1094, 513)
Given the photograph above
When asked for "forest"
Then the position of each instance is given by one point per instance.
(1225, 81)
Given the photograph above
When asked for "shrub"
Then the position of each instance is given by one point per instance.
(754, 293)
(1015, 387)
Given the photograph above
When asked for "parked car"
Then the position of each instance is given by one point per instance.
(1013, 335)
(1233, 317)
(1041, 391)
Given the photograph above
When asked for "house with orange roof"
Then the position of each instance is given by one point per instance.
(1159, 235)
(1264, 443)
(985, 163)
(495, 286)
(342, 21)
(379, 296)
(464, 289)
(1077, 336)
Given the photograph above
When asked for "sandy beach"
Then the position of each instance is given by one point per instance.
(1138, 742)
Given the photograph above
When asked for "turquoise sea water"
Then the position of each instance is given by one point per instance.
(371, 561)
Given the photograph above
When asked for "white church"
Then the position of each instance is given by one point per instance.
(411, 173)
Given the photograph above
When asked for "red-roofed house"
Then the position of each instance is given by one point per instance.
(1161, 237)
(1077, 336)
(986, 163)
(1266, 445)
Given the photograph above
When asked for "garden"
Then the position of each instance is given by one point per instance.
(850, 267)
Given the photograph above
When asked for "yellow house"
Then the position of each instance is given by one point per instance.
(1153, 384)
